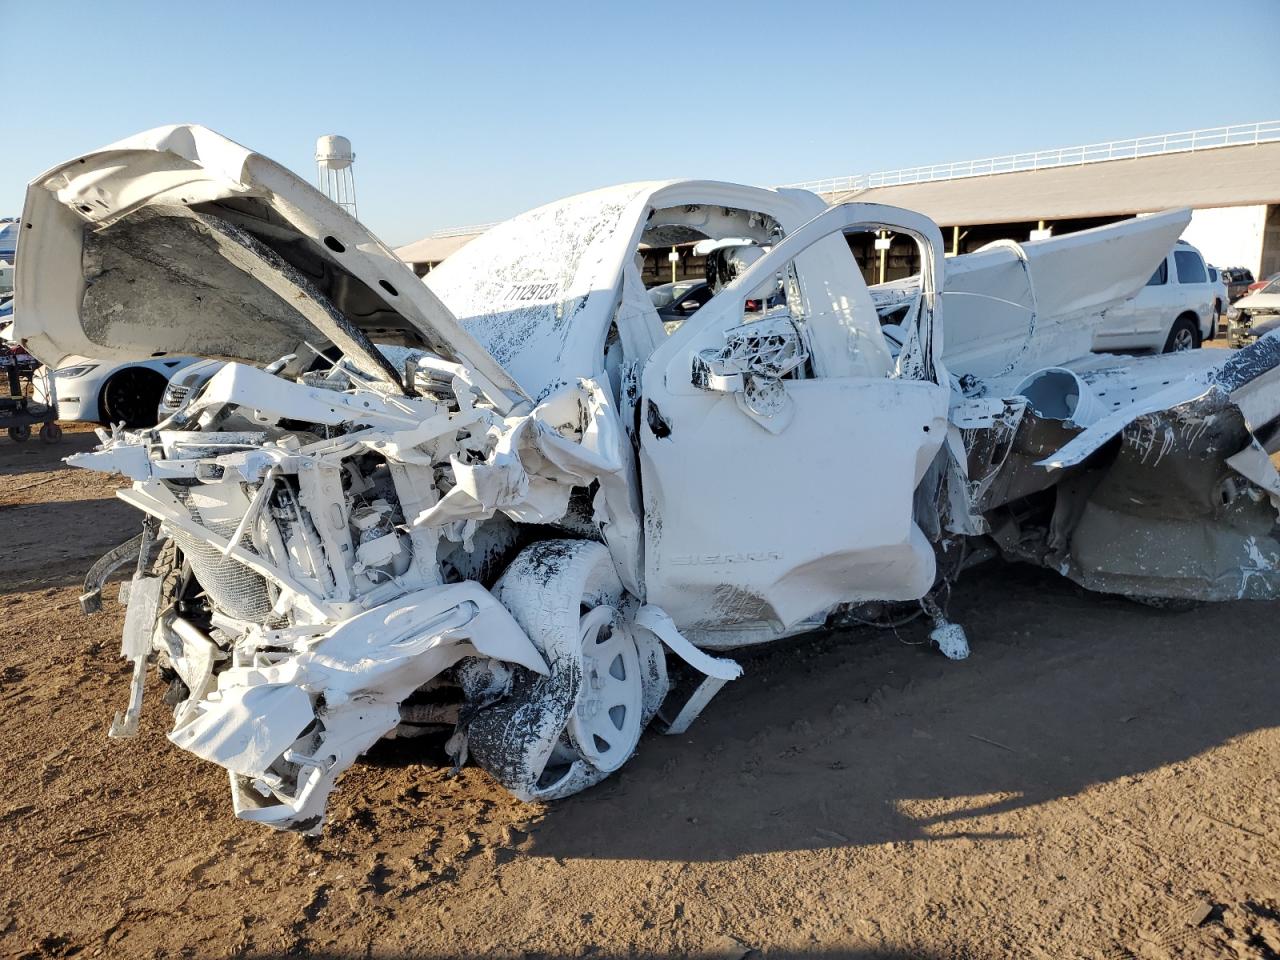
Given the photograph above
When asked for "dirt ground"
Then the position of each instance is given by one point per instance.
(1097, 780)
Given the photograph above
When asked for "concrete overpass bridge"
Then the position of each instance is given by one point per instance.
(1229, 176)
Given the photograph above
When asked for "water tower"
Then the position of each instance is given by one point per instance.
(334, 175)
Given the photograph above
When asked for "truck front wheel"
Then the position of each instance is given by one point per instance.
(557, 734)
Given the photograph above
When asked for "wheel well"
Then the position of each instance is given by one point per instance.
(160, 381)
(1193, 319)
(1188, 318)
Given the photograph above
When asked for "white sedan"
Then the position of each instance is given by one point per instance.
(100, 392)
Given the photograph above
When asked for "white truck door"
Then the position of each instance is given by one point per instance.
(771, 494)
(1155, 303)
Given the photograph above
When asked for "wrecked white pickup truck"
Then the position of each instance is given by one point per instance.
(505, 501)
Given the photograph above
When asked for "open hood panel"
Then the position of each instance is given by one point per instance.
(181, 241)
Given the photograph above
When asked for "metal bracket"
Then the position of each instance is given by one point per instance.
(107, 564)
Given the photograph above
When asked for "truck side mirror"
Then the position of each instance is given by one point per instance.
(751, 365)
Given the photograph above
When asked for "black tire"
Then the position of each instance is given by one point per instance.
(132, 397)
(170, 566)
(50, 433)
(20, 433)
(1183, 335)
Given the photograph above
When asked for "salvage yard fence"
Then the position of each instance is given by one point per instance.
(1237, 135)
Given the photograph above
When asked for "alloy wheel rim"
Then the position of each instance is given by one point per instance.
(605, 723)
(125, 401)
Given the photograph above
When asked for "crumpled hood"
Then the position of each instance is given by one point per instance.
(1268, 302)
(181, 241)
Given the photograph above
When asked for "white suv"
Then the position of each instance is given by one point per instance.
(1174, 311)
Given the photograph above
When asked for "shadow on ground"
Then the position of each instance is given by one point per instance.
(860, 738)
(53, 544)
(33, 455)
(55, 520)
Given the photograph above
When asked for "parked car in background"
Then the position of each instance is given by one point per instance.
(183, 384)
(1263, 304)
(677, 302)
(99, 392)
(1259, 284)
(1174, 311)
(1221, 300)
(1237, 280)
(107, 393)
(8, 252)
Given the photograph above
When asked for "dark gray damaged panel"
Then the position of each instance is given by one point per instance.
(1171, 519)
(1160, 513)
(1248, 364)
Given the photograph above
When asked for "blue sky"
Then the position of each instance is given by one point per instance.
(468, 112)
